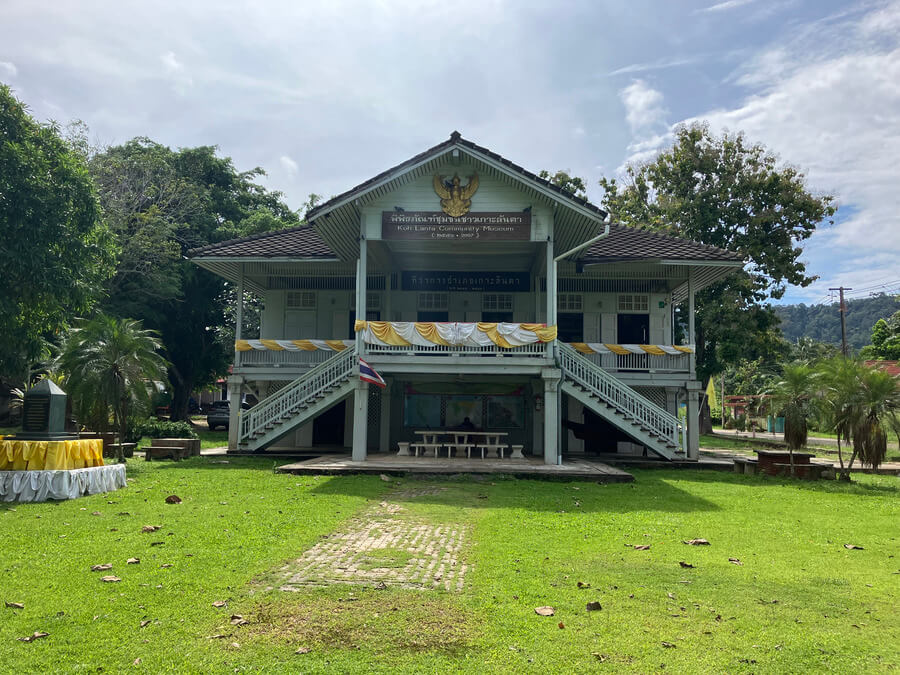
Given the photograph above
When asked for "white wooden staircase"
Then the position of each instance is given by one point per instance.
(309, 395)
(620, 405)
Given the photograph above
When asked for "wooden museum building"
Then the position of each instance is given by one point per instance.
(503, 314)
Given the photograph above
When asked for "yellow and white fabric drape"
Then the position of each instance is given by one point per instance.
(622, 350)
(405, 333)
(293, 345)
(22, 455)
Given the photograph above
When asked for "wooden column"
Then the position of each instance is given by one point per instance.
(361, 284)
(692, 329)
(239, 316)
(551, 294)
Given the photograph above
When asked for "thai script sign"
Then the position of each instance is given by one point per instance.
(508, 282)
(435, 225)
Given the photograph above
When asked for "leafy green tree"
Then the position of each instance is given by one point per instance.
(726, 192)
(111, 367)
(885, 340)
(566, 181)
(55, 250)
(161, 203)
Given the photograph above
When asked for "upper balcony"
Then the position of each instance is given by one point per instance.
(445, 347)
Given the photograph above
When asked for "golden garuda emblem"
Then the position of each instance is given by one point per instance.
(456, 200)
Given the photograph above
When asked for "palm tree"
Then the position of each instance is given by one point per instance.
(793, 395)
(879, 399)
(111, 365)
(859, 404)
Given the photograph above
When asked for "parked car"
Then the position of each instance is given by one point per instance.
(218, 414)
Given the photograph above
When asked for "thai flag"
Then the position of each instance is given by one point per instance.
(367, 374)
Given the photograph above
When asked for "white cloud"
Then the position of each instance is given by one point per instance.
(659, 64)
(289, 165)
(834, 112)
(176, 72)
(728, 4)
(8, 69)
(644, 107)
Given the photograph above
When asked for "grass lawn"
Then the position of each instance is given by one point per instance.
(746, 446)
(798, 601)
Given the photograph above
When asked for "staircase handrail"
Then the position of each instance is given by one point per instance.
(272, 408)
(619, 395)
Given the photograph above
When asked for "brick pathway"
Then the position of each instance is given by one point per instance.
(383, 547)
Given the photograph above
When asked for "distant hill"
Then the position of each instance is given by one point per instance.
(823, 322)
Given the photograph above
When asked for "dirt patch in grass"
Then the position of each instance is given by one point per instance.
(377, 620)
(383, 558)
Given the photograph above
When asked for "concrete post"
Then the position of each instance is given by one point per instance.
(384, 441)
(551, 296)
(360, 421)
(234, 409)
(692, 329)
(693, 424)
(361, 287)
(551, 415)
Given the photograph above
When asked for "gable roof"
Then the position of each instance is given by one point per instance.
(337, 220)
(632, 244)
(439, 149)
(295, 242)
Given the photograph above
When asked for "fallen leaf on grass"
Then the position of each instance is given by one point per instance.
(544, 611)
(157, 543)
(593, 606)
(216, 637)
(853, 547)
(385, 478)
(166, 565)
(34, 636)
(600, 657)
(145, 623)
(238, 620)
(684, 564)
(561, 625)
(133, 561)
(696, 542)
(303, 650)
(101, 568)
(735, 561)
(15, 605)
(137, 661)
(123, 513)
(150, 528)
(671, 596)
(581, 584)
(96, 513)
(642, 547)
(219, 603)
(235, 645)
(380, 586)
(173, 499)
(110, 579)
(668, 645)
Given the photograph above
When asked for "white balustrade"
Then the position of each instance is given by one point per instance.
(262, 358)
(654, 363)
(284, 402)
(619, 395)
(534, 350)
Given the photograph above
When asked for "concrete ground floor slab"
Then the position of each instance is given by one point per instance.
(582, 469)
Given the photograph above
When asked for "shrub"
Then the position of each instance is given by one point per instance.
(161, 429)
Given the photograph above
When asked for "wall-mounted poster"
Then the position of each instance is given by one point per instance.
(461, 407)
(422, 411)
(506, 412)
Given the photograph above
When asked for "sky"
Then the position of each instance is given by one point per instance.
(324, 95)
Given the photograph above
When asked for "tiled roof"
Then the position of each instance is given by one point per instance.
(295, 242)
(455, 139)
(631, 243)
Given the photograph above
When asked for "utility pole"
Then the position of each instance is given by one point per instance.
(844, 350)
